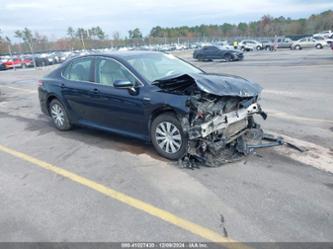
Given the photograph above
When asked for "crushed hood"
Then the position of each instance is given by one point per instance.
(216, 84)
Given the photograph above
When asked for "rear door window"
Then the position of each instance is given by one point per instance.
(79, 70)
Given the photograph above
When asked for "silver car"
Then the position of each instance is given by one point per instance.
(308, 42)
(250, 45)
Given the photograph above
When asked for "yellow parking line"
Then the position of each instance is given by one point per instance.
(133, 202)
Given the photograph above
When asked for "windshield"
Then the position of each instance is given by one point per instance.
(156, 66)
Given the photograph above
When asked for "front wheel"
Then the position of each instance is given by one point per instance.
(227, 57)
(319, 46)
(168, 137)
(59, 115)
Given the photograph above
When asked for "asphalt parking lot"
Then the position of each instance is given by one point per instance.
(279, 194)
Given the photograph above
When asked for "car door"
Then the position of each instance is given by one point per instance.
(121, 110)
(309, 43)
(78, 89)
(314, 42)
(209, 53)
(302, 43)
(217, 53)
(286, 43)
(250, 45)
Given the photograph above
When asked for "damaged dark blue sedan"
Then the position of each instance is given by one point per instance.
(183, 111)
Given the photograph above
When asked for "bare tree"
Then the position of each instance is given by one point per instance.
(71, 34)
(27, 37)
(116, 38)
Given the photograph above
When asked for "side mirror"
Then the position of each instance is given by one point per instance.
(123, 84)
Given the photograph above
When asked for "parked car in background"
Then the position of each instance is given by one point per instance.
(17, 62)
(284, 42)
(250, 45)
(3, 60)
(308, 42)
(63, 56)
(325, 34)
(217, 53)
(320, 38)
(224, 45)
(12, 62)
(2, 65)
(267, 45)
(48, 58)
(26, 61)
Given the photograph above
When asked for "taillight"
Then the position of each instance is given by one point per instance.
(40, 83)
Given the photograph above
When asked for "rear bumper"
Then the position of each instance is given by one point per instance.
(42, 94)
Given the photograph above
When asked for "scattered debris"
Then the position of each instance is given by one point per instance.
(220, 122)
(222, 225)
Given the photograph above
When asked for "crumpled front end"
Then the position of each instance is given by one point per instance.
(220, 122)
(220, 128)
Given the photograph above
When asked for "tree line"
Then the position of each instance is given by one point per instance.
(96, 37)
(266, 26)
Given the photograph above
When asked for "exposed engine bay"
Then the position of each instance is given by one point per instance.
(220, 123)
(220, 128)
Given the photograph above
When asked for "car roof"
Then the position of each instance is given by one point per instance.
(121, 54)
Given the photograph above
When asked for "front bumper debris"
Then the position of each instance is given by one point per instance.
(232, 154)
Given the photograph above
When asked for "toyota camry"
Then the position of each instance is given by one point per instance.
(156, 97)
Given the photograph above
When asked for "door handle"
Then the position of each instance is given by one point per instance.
(95, 91)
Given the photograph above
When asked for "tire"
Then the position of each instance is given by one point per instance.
(59, 115)
(227, 57)
(298, 47)
(164, 126)
(258, 48)
(319, 46)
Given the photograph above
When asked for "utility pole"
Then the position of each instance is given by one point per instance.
(32, 52)
(10, 52)
(83, 45)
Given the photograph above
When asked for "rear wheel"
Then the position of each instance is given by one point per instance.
(59, 115)
(298, 47)
(168, 137)
(319, 46)
(258, 48)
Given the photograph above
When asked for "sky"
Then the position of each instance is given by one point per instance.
(53, 17)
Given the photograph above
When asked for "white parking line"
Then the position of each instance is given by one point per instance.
(20, 89)
(288, 116)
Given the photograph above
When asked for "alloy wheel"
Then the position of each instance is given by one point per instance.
(57, 114)
(168, 137)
